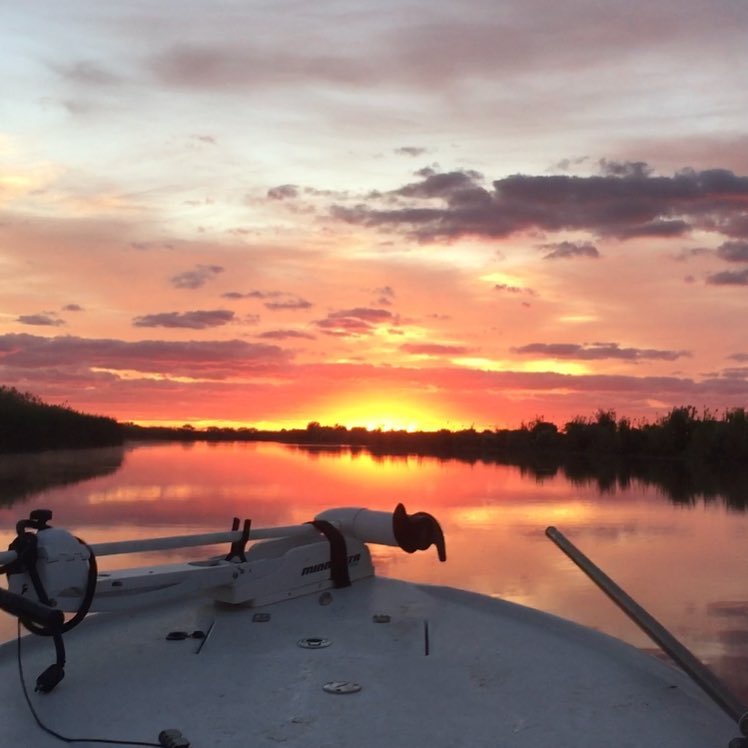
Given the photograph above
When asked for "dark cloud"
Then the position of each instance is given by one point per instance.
(734, 251)
(209, 359)
(354, 322)
(507, 288)
(285, 335)
(434, 349)
(729, 278)
(741, 357)
(567, 250)
(273, 300)
(291, 302)
(72, 308)
(42, 320)
(566, 164)
(196, 278)
(283, 192)
(624, 168)
(594, 351)
(409, 150)
(737, 372)
(385, 295)
(630, 202)
(197, 320)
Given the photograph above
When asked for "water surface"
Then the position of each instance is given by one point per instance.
(686, 563)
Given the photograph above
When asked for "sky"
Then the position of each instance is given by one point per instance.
(393, 215)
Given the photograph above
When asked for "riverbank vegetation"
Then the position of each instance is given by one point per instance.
(29, 425)
(683, 433)
(704, 438)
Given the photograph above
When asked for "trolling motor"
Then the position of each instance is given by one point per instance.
(50, 562)
(52, 570)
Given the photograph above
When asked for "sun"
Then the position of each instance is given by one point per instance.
(385, 413)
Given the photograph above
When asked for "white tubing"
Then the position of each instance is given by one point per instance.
(365, 524)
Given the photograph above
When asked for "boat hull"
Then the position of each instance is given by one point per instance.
(419, 665)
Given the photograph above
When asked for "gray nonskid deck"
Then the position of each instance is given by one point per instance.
(496, 674)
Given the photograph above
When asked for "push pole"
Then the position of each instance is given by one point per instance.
(693, 667)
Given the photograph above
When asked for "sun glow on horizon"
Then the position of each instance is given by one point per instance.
(385, 413)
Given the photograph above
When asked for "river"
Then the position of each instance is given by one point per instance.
(685, 562)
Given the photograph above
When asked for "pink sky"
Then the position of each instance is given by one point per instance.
(380, 214)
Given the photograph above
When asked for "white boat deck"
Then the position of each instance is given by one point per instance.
(449, 668)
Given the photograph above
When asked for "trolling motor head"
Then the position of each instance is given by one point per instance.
(411, 532)
(52, 566)
(53, 571)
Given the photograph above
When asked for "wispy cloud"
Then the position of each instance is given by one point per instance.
(283, 192)
(197, 320)
(734, 251)
(434, 349)
(45, 319)
(273, 300)
(567, 250)
(197, 277)
(354, 322)
(598, 351)
(729, 278)
(285, 335)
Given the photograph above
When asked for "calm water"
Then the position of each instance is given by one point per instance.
(687, 564)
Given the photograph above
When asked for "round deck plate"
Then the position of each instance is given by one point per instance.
(341, 687)
(313, 642)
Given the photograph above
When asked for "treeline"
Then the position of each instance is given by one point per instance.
(684, 433)
(704, 438)
(29, 425)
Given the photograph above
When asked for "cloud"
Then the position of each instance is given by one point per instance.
(734, 251)
(44, 319)
(567, 250)
(354, 322)
(207, 359)
(196, 278)
(273, 300)
(628, 203)
(596, 351)
(729, 278)
(409, 150)
(285, 335)
(624, 168)
(88, 73)
(434, 349)
(291, 302)
(283, 192)
(235, 64)
(72, 308)
(507, 288)
(385, 295)
(197, 320)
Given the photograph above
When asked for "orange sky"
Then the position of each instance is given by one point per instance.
(267, 215)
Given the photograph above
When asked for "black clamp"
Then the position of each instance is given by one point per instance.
(338, 552)
(239, 546)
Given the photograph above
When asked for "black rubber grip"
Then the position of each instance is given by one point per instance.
(22, 607)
